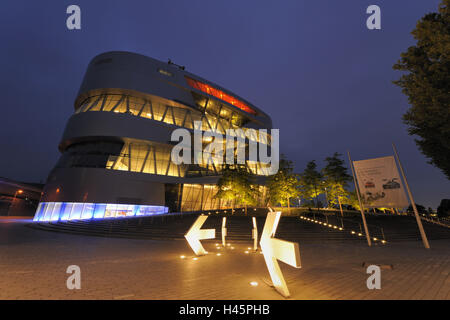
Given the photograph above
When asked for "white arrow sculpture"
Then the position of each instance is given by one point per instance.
(276, 249)
(195, 234)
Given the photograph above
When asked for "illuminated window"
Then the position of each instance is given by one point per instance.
(144, 157)
(48, 211)
(201, 197)
(65, 214)
(88, 211)
(64, 211)
(39, 212)
(110, 210)
(206, 88)
(99, 211)
(164, 72)
(76, 211)
(215, 116)
(56, 210)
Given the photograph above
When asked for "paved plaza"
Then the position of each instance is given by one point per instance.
(33, 265)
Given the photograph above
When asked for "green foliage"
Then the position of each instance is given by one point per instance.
(444, 208)
(335, 179)
(353, 200)
(235, 184)
(312, 204)
(310, 182)
(420, 209)
(337, 194)
(283, 185)
(427, 85)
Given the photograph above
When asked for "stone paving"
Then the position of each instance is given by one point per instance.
(33, 265)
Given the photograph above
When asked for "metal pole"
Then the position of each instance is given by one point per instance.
(416, 213)
(360, 203)
(317, 202)
(11, 204)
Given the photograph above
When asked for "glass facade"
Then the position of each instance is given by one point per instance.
(200, 197)
(140, 156)
(215, 116)
(155, 159)
(63, 211)
(196, 197)
(113, 146)
(93, 154)
(146, 158)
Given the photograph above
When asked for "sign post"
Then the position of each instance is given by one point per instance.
(413, 204)
(360, 203)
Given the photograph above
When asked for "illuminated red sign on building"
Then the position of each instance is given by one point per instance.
(219, 94)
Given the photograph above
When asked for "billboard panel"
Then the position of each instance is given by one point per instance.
(379, 183)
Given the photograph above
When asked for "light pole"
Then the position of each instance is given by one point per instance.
(19, 191)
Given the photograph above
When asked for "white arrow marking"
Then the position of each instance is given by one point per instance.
(195, 234)
(276, 249)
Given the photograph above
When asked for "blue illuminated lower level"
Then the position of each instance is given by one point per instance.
(61, 211)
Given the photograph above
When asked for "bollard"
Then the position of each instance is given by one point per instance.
(224, 231)
(255, 234)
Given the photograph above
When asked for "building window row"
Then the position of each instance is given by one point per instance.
(62, 211)
(141, 157)
(206, 88)
(156, 159)
(198, 197)
(214, 116)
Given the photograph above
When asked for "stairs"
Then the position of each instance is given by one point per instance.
(239, 228)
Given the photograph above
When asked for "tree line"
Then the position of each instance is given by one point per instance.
(332, 181)
(283, 188)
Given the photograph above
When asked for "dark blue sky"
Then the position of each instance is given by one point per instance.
(312, 65)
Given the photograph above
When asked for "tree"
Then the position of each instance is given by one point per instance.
(353, 200)
(310, 181)
(420, 209)
(427, 85)
(444, 208)
(283, 185)
(335, 180)
(235, 184)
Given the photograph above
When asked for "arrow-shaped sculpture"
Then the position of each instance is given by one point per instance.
(276, 249)
(195, 234)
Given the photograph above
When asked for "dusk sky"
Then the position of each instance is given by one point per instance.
(312, 65)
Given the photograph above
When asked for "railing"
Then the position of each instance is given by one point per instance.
(375, 231)
(444, 222)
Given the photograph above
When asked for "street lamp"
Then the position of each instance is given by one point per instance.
(19, 191)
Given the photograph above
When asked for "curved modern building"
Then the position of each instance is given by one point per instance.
(115, 150)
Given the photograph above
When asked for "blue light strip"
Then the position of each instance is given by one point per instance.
(63, 211)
